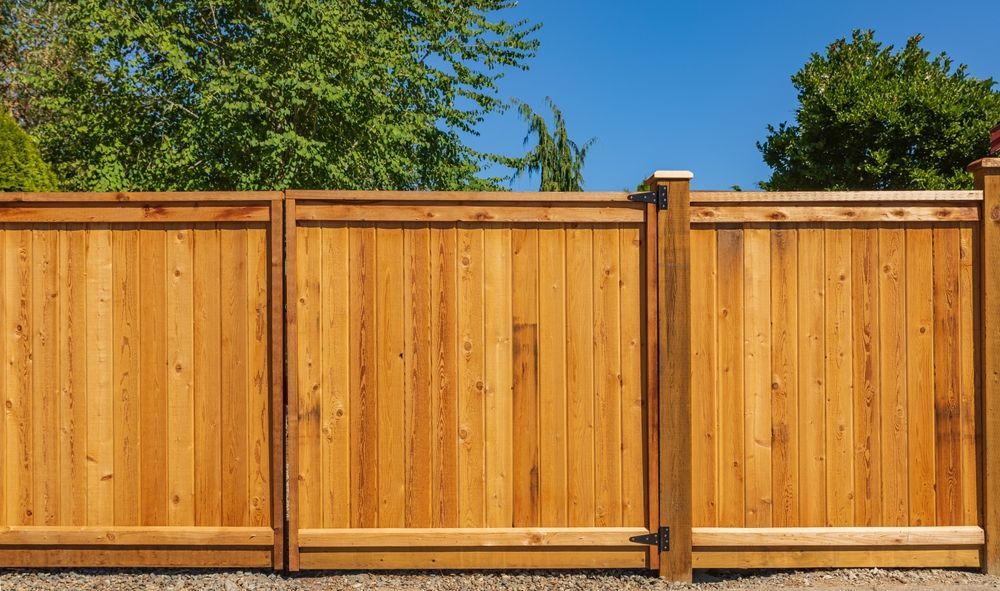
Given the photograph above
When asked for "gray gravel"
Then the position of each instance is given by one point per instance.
(178, 580)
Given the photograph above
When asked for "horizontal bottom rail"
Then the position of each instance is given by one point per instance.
(475, 558)
(468, 537)
(839, 557)
(124, 556)
(837, 547)
(838, 536)
(136, 536)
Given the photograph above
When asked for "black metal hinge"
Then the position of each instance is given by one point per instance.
(659, 197)
(660, 539)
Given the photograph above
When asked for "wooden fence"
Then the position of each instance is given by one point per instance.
(469, 380)
(501, 380)
(834, 379)
(141, 380)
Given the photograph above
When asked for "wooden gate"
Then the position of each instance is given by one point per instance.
(141, 379)
(471, 379)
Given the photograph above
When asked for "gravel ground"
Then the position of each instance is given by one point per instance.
(177, 580)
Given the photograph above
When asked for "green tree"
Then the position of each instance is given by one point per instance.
(556, 158)
(21, 166)
(263, 94)
(870, 117)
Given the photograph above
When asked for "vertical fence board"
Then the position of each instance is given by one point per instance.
(634, 434)
(364, 380)
(731, 359)
(867, 440)
(207, 379)
(892, 377)
(45, 367)
(812, 377)
(390, 360)
(607, 384)
(18, 258)
(839, 380)
(947, 362)
(444, 375)
(235, 457)
(757, 376)
(499, 369)
(704, 368)
(125, 305)
(417, 335)
(784, 378)
(152, 376)
(180, 394)
(5, 333)
(336, 405)
(73, 379)
(920, 373)
(309, 477)
(580, 378)
(552, 330)
(258, 378)
(968, 324)
(524, 316)
(100, 369)
(471, 421)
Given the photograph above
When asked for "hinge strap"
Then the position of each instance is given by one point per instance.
(657, 197)
(660, 539)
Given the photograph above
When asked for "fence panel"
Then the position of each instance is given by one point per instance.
(468, 380)
(139, 377)
(835, 355)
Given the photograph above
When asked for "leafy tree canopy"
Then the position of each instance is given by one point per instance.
(556, 158)
(870, 117)
(21, 166)
(262, 94)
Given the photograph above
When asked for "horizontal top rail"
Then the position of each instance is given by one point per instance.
(388, 197)
(138, 197)
(737, 197)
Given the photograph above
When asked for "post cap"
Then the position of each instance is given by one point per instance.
(670, 175)
(985, 166)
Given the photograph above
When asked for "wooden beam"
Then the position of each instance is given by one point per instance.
(128, 557)
(469, 538)
(292, 392)
(987, 178)
(140, 197)
(83, 213)
(474, 558)
(900, 557)
(674, 310)
(828, 197)
(394, 197)
(652, 324)
(277, 366)
(838, 536)
(812, 213)
(471, 212)
(135, 536)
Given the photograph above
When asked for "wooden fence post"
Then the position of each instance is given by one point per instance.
(674, 304)
(987, 174)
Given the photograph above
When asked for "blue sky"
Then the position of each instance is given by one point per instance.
(692, 85)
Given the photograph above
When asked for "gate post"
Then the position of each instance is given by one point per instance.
(673, 238)
(987, 174)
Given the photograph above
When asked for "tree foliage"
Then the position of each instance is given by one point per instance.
(260, 94)
(556, 158)
(870, 117)
(21, 166)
